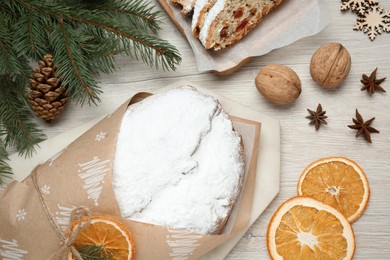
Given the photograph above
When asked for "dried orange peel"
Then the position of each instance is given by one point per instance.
(338, 182)
(304, 228)
(109, 233)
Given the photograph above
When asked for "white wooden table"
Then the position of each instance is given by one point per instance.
(301, 144)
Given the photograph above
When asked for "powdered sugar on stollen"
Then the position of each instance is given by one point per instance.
(213, 13)
(198, 7)
(189, 5)
(178, 163)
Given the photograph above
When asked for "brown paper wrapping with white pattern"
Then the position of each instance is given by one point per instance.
(81, 175)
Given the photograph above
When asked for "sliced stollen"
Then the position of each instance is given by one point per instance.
(187, 5)
(178, 162)
(230, 20)
(201, 9)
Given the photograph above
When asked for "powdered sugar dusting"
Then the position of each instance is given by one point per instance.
(188, 5)
(178, 162)
(214, 11)
(198, 7)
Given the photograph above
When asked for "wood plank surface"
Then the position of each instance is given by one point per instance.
(301, 144)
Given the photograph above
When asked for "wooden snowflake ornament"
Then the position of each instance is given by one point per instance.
(374, 21)
(358, 6)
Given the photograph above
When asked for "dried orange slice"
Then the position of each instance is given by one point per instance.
(338, 182)
(305, 228)
(109, 233)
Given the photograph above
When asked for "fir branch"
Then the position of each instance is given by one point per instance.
(16, 118)
(136, 13)
(151, 50)
(29, 38)
(100, 50)
(72, 64)
(9, 58)
(95, 252)
(158, 50)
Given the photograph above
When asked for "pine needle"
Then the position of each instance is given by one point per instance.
(15, 121)
(95, 252)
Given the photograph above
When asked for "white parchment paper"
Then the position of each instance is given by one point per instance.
(289, 22)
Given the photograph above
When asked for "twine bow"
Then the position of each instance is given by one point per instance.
(81, 214)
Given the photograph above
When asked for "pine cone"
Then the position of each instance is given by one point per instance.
(46, 94)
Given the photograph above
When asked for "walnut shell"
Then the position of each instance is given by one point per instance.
(330, 65)
(279, 84)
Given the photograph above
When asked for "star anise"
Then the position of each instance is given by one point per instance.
(371, 83)
(317, 117)
(363, 127)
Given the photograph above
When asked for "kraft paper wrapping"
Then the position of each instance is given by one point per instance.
(80, 175)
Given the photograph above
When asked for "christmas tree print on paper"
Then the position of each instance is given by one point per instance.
(63, 216)
(182, 244)
(10, 250)
(93, 173)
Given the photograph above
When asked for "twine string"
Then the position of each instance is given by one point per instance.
(80, 214)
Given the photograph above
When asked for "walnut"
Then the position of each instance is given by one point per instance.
(279, 84)
(330, 65)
